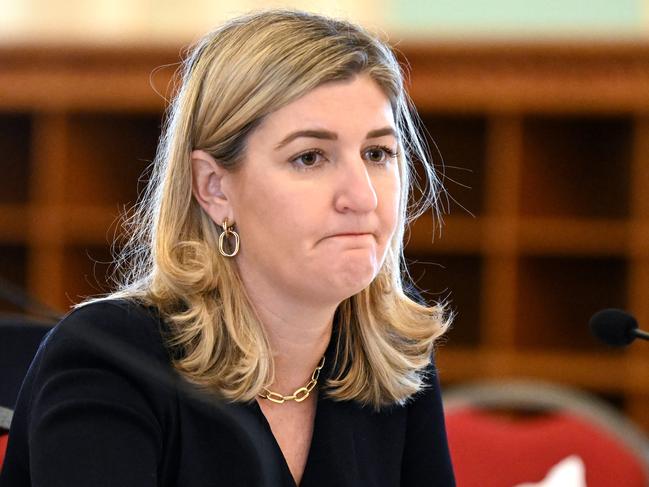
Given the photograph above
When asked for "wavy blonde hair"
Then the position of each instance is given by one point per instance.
(231, 79)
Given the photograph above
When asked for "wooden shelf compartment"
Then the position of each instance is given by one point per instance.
(636, 408)
(107, 155)
(576, 166)
(544, 77)
(504, 154)
(13, 268)
(109, 79)
(14, 223)
(458, 149)
(640, 168)
(574, 236)
(46, 270)
(455, 278)
(459, 234)
(16, 160)
(605, 372)
(557, 295)
(88, 269)
(93, 225)
(498, 304)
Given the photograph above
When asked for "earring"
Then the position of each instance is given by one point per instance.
(227, 233)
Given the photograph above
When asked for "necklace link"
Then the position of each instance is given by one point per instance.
(300, 394)
(273, 397)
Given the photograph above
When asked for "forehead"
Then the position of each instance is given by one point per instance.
(352, 107)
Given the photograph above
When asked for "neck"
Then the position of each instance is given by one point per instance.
(298, 334)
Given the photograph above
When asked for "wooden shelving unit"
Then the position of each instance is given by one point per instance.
(552, 140)
(556, 137)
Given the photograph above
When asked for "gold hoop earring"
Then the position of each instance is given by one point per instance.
(227, 233)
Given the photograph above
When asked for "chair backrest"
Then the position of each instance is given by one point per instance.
(3, 447)
(510, 432)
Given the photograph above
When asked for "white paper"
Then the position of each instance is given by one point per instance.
(569, 472)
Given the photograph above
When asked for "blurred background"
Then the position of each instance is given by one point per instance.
(168, 22)
(540, 111)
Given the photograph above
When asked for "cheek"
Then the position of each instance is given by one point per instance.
(389, 201)
(274, 216)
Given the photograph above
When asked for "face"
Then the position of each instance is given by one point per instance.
(316, 198)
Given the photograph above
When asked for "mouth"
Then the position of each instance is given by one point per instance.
(352, 234)
(352, 238)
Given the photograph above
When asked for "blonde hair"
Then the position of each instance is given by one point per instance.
(232, 79)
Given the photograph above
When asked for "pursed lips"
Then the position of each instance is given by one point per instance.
(351, 235)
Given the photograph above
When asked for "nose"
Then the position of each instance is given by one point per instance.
(356, 191)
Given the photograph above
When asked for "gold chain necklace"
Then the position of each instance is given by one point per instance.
(300, 394)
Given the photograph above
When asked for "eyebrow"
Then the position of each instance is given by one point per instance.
(327, 135)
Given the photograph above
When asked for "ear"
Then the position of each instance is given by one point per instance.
(208, 188)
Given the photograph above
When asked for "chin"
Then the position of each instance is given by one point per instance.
(343, 277)
(350, 285)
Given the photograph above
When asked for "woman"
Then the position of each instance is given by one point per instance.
(264, 268)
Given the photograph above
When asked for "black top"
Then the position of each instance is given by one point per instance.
(101, 406)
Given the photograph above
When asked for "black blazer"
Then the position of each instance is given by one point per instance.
(101, 406)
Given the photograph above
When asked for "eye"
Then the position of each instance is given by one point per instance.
(308, 159)
(379, 154)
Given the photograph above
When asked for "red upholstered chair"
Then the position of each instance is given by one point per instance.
(3, 447)
(502, 434)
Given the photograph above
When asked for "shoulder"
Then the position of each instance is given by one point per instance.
(111, 329)
(111, 314)
(107, 348)
(111, 318)
(97, 375)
